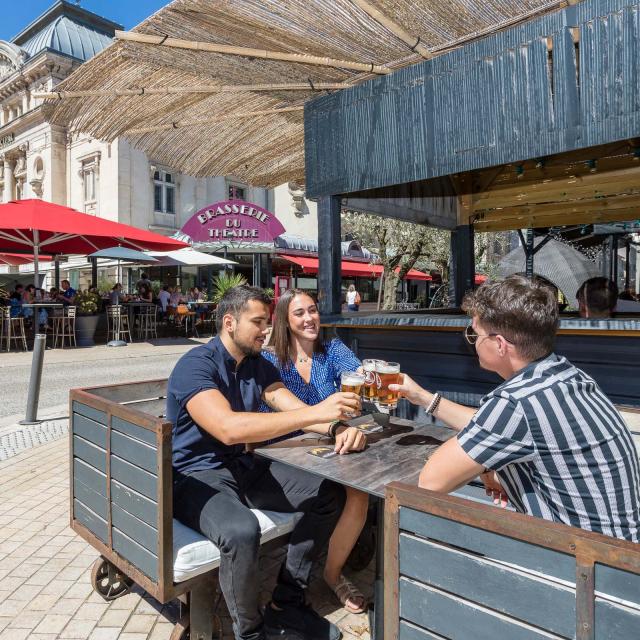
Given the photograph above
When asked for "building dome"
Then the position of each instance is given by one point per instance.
(69, 30)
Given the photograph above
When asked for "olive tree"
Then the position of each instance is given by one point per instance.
(401, 246)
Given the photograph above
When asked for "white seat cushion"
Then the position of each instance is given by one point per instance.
(193, 554)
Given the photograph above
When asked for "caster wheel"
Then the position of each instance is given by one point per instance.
(109, 581)
(181, 630)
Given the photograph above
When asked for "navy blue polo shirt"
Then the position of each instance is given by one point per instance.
(212, 367)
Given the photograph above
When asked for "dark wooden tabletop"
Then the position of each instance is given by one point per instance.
(398, 452)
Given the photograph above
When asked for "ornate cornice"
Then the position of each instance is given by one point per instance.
(12, 58)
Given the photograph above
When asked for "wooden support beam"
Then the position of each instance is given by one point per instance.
(586, 205)
(155, 91)
(196, 123)
(560, 167)
(568, 188)
(212, 47)
(556, 220)
(412, 41)
(463, 187)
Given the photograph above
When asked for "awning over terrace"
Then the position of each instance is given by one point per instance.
(349, 268)
(214, 87)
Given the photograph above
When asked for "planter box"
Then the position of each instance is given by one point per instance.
(85, 330)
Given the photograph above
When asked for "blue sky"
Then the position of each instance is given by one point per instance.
(17, 14)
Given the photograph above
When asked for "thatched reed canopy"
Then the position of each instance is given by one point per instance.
(246, 133)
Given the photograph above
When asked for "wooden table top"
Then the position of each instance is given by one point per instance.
(398, 452)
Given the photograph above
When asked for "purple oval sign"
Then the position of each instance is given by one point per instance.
(233, 221)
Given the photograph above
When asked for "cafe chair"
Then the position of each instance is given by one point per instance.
(148, 322)
(118, 324)
(64, 328)
(208, 323)
(12, 330)
(190, 322)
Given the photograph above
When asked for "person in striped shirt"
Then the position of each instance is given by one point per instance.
(547, 439)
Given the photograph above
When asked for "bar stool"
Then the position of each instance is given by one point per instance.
(190, 318)
(64, 326)
(147, 322)
(12, 329)
(118, 324)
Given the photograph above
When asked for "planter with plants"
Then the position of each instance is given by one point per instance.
(87, 307)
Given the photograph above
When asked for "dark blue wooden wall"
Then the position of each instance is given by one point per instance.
(501, 99)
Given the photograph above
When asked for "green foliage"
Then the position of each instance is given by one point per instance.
(270, 292)
(224, 282)
(156, 285)
(87, 304)
(105, 284)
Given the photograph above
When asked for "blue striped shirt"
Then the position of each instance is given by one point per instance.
(561, 449)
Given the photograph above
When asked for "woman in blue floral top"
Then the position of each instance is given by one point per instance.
(311, 370)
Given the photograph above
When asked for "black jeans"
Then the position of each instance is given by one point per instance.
(217, 503)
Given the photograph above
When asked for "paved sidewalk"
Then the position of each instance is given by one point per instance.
(45, 588)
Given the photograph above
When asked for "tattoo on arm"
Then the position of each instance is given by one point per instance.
(271, 398)
(281, 399)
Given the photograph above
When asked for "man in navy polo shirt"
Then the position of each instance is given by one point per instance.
(213, 397)
(68, 295)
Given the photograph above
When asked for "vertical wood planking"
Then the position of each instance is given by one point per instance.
(391, 567)
(490, 102)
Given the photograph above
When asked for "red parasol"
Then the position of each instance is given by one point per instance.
(33, 226)
(16, 259)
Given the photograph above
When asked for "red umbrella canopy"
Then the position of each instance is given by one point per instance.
(16, 259)
(53, 228)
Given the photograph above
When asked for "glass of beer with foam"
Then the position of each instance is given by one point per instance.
(387, 373)
(351, 382)
(370, 388)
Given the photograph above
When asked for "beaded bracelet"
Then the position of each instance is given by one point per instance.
(331, 431)
(433, 405)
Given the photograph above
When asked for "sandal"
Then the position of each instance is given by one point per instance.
(347, 593)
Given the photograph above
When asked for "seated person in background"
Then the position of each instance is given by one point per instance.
(163, 298)
(311, 370)
(597, 298)
(29, 297)
(116, 296)
(547, 438)
(144, 281)
(175, 297)
(145, 293)
(68, 294)
(213, 397)
(15, 301)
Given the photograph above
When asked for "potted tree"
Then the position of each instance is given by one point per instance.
(87, 305)
(224, 282)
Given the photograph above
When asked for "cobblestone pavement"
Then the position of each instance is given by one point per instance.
(17, 438)
(45, 587)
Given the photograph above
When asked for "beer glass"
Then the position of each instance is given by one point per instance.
(351, 382)
(370, 388)
(387, 373)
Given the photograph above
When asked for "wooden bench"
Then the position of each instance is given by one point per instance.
(122, 504)
(457, 569)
